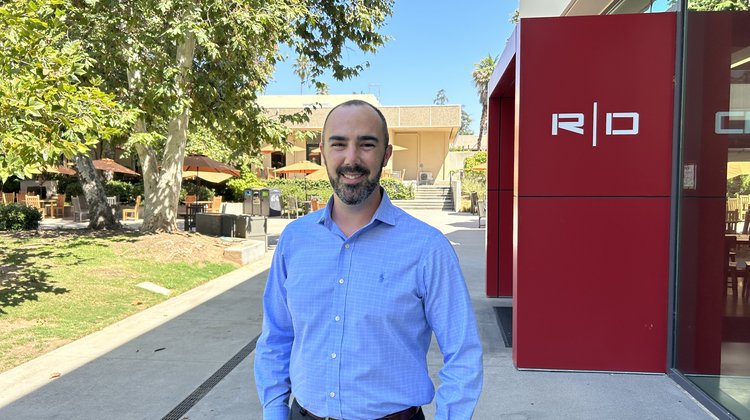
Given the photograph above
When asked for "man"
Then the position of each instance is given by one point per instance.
(354, 294)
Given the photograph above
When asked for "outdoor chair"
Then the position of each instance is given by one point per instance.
(132, 214)
(80, 209)
(60, 205)
(33, 201)
(215, 205)
(317, 203)
(21, 197)
(9, 197)
(482, 210)
(190, 199)
(474, 202)
(291, 207)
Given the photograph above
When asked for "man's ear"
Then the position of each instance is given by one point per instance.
(322, 156)
(387, 156)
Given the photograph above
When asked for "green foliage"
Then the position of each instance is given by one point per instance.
(466, 121)
(12, 184)
(236, 51)
(202, 192)
(440, 98)
(123, 190)
(47, 109)
(738, 185)
(73, 189)
(716, 5)
(238, 185)
(17, 216)
(397, 190)
(474, 160)
(137, 189)
(474, 181)
(296, 187)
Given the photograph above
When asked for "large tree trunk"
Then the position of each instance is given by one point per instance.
(101, 214)
(161, 186)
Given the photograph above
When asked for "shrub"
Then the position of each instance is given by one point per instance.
(247, 179)
(397, 190)
(202, 192)
(296, 187)
(475, 159)
(74, 189)
(474, 181)
(16, 216)
(121, 189)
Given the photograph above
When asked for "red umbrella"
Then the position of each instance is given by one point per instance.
(111, 165)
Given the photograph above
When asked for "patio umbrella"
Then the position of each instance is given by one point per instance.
(215, 177)
(270, 149)
(320, 174)
(111, 165)
(55, 169)
(737, 168)
(199, 166)
(480, 167)
(303, 167)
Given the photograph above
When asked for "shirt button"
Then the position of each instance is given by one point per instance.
(341, 281)
(333, 355)
(346, 246)
(338, 318)
(332, 394)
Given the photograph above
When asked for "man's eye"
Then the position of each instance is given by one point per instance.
(337, 145)
(368, 145)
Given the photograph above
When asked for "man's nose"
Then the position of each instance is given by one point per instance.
(350, 154)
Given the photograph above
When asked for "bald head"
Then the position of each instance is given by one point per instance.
(358, 103)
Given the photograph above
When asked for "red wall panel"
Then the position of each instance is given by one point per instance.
(591, 287)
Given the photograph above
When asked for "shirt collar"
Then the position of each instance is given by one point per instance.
(386, 211)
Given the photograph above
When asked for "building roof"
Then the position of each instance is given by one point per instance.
(399, 117)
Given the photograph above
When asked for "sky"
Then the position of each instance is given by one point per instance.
(434, 46)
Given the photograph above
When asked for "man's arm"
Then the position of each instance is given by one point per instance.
(274, 347)
(450, 314)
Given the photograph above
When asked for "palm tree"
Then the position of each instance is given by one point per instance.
(481, 75)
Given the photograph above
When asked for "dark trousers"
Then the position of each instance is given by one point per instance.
(299, 413)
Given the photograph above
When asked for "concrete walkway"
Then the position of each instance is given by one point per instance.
(191, 358)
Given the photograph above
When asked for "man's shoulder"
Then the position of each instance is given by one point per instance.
(413, 224)
(302, 225)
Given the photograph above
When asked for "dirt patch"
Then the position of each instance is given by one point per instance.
(170, 247)
(161, 247)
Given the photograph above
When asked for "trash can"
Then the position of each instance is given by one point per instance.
(247, 202)
(274, 200)
(257, 202)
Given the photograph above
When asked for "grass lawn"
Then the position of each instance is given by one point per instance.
(56, 287)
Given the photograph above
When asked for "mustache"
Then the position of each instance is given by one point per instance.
(352, 169)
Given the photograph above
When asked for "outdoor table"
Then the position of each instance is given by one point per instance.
(190, 211)
(51, 205)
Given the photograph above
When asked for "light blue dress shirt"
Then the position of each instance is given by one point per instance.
(348, 321)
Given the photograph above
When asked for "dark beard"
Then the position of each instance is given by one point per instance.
(354, 194)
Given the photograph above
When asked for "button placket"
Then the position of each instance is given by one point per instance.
(333, 376)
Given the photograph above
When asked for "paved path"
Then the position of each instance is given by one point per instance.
(190, 357)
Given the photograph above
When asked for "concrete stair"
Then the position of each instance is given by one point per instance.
(429, 197)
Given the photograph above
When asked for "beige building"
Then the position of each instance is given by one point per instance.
(423, 134)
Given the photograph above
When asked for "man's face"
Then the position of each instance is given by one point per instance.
(354, 152)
